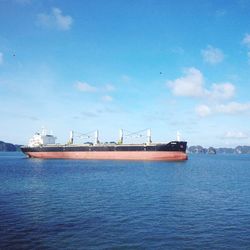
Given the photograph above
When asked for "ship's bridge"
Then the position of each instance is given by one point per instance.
(41, 139)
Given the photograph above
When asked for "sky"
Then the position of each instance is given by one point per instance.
(131, 64)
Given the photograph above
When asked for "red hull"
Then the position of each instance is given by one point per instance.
(130, 155)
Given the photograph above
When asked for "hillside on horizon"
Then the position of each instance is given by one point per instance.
(8, 147)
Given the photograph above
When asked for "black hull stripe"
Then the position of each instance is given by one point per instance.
(172, 146)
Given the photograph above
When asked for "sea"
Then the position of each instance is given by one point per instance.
(202, 203)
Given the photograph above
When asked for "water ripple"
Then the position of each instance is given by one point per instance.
(203, 203)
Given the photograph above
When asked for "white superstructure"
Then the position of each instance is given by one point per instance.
(41, 139)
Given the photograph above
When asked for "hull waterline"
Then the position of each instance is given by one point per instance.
(144, 156)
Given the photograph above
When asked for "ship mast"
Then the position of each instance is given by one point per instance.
(149, 140)
(71, 137)
(120, 141)
(97, 137)
(145, 133)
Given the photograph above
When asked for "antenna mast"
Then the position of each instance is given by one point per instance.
(178, 136)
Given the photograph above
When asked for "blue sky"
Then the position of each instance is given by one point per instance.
(132, 64)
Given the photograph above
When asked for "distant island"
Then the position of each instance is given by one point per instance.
(211, 150)
(9, 147)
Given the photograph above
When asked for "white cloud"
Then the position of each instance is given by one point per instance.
(107, 98)
(235, 135)
(192, 85)
(1, 58)
(212, 55)
(203, 110)
(85, 87)
(246, 40)
(222, 91)
(189, 85)
(233, 108)
(55, 20)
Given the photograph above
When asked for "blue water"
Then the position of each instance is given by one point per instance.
(203, 203)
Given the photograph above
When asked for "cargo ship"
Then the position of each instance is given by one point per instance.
(43, 145)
